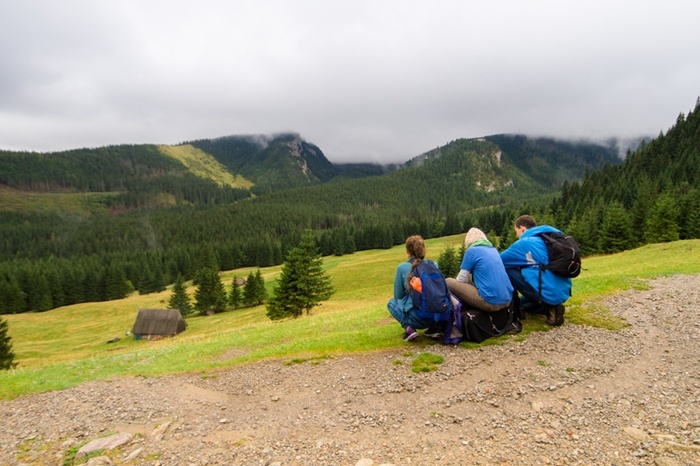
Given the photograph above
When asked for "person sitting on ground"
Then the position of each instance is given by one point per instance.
(543, 292)
(482, 282)
(401, 305)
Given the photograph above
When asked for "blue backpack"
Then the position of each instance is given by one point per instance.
(429, 292)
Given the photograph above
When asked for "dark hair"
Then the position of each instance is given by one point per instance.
(525, 221)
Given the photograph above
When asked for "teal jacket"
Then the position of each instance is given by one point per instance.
(401, 294)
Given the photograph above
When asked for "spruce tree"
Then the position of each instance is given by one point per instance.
(250, 291)
(210, 295)
(303, 283)
(7, 356)
(16, 298)
(115, 285)
(260, 293)
(448, 262)
(616, 230)
(179, 299)
(39, 296)
(235, 297)
(662, 226)
(206, 258)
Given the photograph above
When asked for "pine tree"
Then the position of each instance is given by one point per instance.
(7, 356)
(448, 262)
(692, 215)
(39, 297)
(616, 230)
(235, 297)
(206, 258)
(460, 254)
(250, 291)
(115, 285)
(585, 230)
(662, 223)
(494, 239)
(16, 298)
(260, 293)
(179, 299)
(303, 283)
(209, 295)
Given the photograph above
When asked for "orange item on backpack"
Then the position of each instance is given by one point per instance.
(416, 284)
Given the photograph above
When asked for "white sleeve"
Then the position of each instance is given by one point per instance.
(464, 276)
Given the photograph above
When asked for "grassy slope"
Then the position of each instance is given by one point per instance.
(78, 203)
(204, 165)
(68, 346)
(199, 163)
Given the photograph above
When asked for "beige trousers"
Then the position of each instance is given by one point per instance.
(469, 295)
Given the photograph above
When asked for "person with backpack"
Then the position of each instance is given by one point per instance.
(526, 262)
(401, 306)
(482, 282)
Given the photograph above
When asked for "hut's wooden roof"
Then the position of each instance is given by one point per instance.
(158, 322)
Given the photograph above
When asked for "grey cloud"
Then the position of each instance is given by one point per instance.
(365, 81)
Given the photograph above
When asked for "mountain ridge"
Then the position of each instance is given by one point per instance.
(231, 168)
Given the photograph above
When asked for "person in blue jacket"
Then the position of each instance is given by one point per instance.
(482, 281)
(542, 291)
(401, 305)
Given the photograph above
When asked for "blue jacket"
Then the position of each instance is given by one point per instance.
(527, 254)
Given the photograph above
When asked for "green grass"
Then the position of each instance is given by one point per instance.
(426, 362)
(80, 204)
(204, 165)
(68, 346)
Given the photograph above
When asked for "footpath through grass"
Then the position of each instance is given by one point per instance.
(68, 346)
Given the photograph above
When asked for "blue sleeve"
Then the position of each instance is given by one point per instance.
(400, 280)
(468, 261)
(516, 255)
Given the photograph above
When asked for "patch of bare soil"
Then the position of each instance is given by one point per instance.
(573, 395)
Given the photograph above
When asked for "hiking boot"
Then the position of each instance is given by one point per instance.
(555, 315)
(410, 334)
(515, 328)
(433, 332)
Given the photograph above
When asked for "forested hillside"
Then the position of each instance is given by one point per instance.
(135, 176)
(54, 258)
(267, 162)
(654, 196)
(550, 162)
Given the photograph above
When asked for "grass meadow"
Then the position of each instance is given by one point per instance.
(64, 347)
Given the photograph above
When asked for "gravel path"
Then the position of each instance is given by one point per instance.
(573, 395)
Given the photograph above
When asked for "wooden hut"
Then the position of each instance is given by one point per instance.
(154, 323)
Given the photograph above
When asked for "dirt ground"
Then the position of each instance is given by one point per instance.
(572, 395)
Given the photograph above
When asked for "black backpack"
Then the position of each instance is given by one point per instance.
(478, 325)
(431, 297)
(564, 254)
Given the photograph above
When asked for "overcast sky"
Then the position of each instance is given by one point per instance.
(378, 81)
